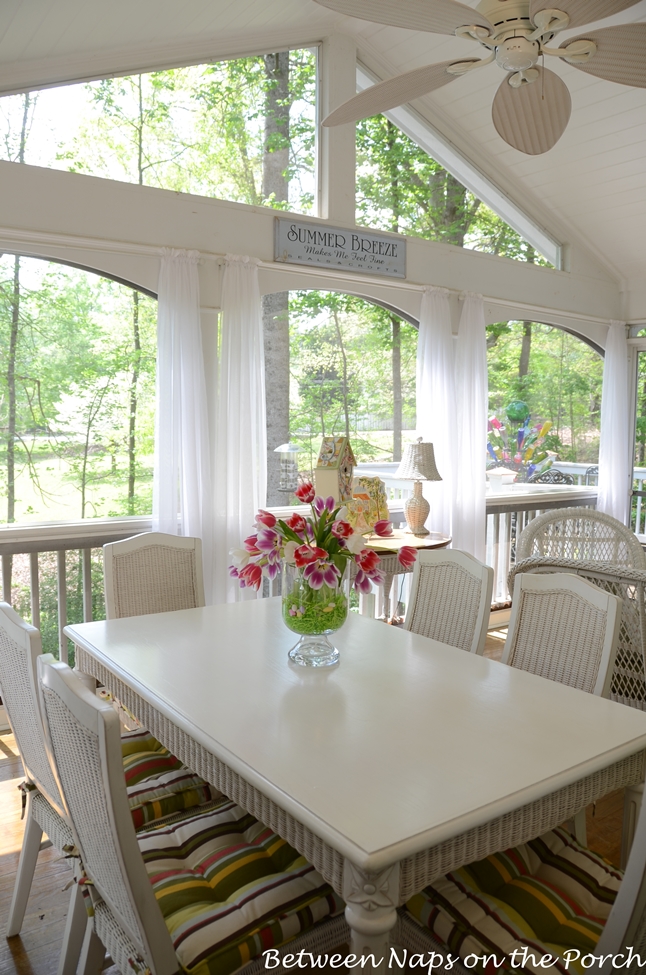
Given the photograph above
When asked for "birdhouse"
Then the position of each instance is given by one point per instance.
(333, 474)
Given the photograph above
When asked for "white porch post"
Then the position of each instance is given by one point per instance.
(471, 391)
(338, 80)
(614, 447)
(436, 402)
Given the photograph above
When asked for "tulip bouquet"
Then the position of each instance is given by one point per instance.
(314, 552)
(320, 545)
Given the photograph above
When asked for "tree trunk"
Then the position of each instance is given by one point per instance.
(275, 308)
(526, 346)
(397, 389)
(275, 320)
(344, 358)
(13, 345)
(396, 357)
(275, 169)
(525, 351)
(132, 417)
(11, 394)
(136, 336)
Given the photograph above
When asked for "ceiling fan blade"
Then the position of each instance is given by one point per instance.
(582, 12)
(437, 16)
(387, 94)
(620, 54)
(532, 118)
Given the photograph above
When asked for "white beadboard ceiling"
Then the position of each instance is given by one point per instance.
(589, 189)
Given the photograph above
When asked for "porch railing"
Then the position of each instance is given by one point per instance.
(66, 558)
(25, 548)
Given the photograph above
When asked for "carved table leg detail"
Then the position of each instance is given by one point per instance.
(371, 901)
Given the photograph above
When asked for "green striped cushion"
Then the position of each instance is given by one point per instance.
(157, 783)
(549, 895)
(229, 888)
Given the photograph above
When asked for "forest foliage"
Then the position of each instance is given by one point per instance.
(77, 384)
(78, 350)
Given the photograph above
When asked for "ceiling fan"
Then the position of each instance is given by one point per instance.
(532, 106)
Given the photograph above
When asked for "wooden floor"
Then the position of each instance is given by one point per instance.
(35, 951)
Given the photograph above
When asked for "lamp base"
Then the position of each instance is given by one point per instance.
(417, 510)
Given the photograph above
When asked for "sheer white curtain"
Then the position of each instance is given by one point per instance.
(436, 401)
(240, 458)
(471, 390)
(614, 447)
(182, 469)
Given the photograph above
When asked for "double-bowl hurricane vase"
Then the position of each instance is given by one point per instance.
(314, 614)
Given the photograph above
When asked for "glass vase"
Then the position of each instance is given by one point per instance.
(313, 614)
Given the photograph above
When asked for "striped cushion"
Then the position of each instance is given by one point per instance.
(549, 895)
(157, 783)
(229, 888)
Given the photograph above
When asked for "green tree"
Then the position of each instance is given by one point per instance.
(341, 353)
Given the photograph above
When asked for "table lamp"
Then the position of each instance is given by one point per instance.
(417, 464)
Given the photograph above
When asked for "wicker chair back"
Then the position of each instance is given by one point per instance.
(152, 573)
(565, 629)
(20, 646)
(627, 683)
(580, 533)
(84, 741)
(450, 599)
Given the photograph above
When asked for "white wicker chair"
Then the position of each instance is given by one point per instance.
(625, 924)
(20, 646)
(565, 629)
(580, 533)
(450, 599)
(172, 786)
(628, 684)
(83, 739)
(152, 573)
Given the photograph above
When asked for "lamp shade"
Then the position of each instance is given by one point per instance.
(418, 463)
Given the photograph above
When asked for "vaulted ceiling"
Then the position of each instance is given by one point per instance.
(590, 189)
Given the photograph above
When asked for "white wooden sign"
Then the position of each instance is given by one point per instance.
(318, 245)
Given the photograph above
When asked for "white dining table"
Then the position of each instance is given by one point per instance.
(406, 760)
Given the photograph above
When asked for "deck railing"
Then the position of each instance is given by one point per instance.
(33, 554)
(53, 573)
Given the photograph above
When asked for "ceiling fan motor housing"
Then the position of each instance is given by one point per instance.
(506, 15)
(517, 54)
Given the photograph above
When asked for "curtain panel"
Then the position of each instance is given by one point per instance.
(182, 498)
(240, 453)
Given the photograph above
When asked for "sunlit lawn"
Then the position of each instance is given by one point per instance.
(56, 494)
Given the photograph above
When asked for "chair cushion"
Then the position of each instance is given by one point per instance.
(157, 783)
(229, 888)
(548, 896)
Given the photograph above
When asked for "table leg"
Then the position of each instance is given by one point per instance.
(371, 902)
(388, 584)
(632, 805)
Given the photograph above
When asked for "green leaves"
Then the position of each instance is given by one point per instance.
(73, 367)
